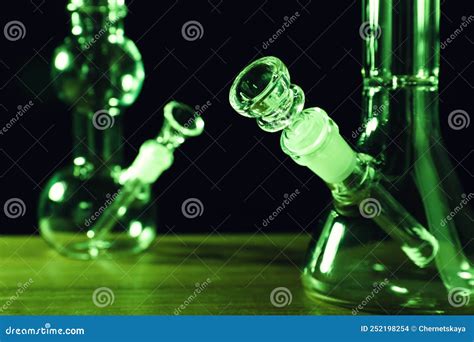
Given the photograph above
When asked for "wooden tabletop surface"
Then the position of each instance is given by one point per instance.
(186, 274)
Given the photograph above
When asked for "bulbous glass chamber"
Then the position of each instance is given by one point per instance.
(100, 75)
(71, 204)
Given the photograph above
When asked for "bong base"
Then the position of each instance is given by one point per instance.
(354, 265)
(78, 246)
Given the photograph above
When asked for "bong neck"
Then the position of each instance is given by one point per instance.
(401, 43)
(98, 141)
(401, 52)
(96, 24)
(92, 20)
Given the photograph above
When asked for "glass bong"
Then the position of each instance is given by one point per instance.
(386, 244)
(95, 208)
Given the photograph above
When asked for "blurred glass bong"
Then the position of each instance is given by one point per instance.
(386, 244)
(95, 208)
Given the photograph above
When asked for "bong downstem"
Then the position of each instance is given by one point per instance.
(154, 158)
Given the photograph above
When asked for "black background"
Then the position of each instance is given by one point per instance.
(236, 170)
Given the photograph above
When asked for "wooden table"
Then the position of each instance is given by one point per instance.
(235, 274)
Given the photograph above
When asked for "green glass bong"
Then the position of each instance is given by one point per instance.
(95, 208)
(384, 245)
